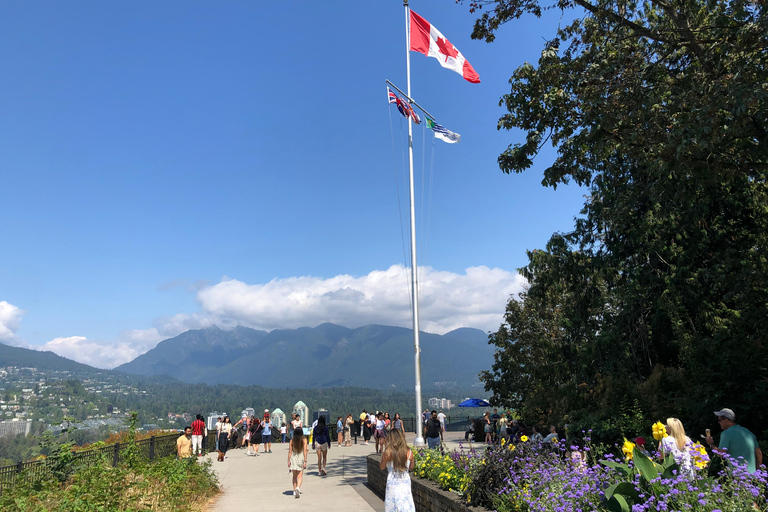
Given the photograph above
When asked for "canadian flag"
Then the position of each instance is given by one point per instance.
(426, 39)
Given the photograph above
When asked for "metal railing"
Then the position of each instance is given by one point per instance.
(452, 424)
(151, 448)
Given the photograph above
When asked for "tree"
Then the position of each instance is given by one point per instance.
(660, 293)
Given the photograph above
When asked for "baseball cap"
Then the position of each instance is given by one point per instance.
(726, 413)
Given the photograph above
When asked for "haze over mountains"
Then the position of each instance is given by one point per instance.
(327, 355)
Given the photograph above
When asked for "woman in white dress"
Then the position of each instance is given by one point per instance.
(398, 460)
(297, 459)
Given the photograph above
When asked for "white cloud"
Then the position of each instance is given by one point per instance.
(105, 354)
(10, 321)
(447, 300)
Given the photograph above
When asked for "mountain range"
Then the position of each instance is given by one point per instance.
(374, 356)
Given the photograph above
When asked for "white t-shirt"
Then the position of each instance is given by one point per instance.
(441, 417)
(283, 429)
(218, 427)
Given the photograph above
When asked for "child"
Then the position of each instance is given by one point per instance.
(398, 460)
(283, 433)
(297, 460)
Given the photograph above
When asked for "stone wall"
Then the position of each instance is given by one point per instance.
(427, 496)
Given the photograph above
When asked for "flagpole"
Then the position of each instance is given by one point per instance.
(419, 441)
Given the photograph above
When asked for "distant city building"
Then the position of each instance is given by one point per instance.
(247, 412)
(213, 417)
(322, 412)
(303, 411)
(440, 403)
(278, 418)
(14, 427)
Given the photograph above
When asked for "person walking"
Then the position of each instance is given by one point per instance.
(363, 416)
(198, 431)
(266, 434)
(380, 434)
(738, 442)
(224, 434)
(340, 430)
(398, 460)
(397, 424)
(283, 432)
(488, 428)
(256, 435)
(348, 424)
(321, 443)
(241, 427)
(297, 460)
(218, 429)
(433, 431)
(253, 426)
(367, 429)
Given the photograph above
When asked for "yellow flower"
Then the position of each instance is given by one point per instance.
(659, 431)
(523, 438)
(503, 441)
(627, 449)
(511, 447)
(700, 456)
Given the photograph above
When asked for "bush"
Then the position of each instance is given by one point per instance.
(167, 485)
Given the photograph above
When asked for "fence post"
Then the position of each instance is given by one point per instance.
(19, 466)
(116, 456)
(152, 448)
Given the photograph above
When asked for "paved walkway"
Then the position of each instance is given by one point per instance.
(265, 481)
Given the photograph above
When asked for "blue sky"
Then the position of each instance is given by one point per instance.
(169, 165)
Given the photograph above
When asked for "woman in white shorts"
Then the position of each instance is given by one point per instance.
(322, 443)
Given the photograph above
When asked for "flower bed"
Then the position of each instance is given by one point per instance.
(527, 477)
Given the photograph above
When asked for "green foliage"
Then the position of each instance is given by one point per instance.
(660, 293)
(60, 460)
(169, 485)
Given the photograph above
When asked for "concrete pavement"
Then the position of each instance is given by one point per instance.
(266, 482)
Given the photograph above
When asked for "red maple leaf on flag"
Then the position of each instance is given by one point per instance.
(446, 48)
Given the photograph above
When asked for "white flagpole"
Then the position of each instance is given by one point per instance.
(419, 441)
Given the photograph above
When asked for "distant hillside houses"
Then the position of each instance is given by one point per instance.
(14, 427)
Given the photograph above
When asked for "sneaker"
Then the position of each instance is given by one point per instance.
(295, 493)
(298, 492)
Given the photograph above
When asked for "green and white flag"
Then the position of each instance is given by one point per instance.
(443, 134)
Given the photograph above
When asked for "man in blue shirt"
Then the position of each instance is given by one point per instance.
(738, 442)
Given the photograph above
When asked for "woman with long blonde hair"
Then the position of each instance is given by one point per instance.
(678, 445)
(398, 459)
